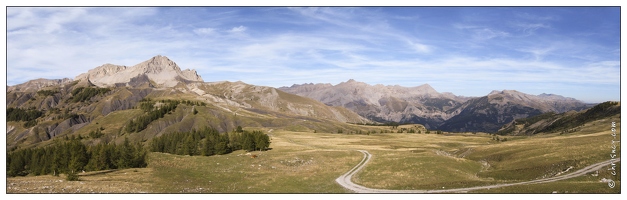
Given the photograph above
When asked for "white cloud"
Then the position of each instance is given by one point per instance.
(481, 33)
(530, 28)
(42, 20)
(238, 29)
(539, 52)
(422, 48)
(204, 31)
(487, 33)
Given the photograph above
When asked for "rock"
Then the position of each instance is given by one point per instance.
(67, 124)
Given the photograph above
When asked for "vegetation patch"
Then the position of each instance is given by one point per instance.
(71, 156)
(27, 115)
(208, 141)
(47, 92)
(83, 94)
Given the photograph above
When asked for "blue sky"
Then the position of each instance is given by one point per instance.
(469, 51)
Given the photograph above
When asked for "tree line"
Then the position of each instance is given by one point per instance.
(151, 114)
(208, 141)
(47, 92)
(70, 156)
(27, 115)
(83, 94)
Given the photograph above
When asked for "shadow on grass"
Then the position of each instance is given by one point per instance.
(99, 172)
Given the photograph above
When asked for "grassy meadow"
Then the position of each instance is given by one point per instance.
(308, 162)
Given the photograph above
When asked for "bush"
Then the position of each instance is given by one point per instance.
(72, 176)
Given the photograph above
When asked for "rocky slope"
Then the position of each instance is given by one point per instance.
(424, 105)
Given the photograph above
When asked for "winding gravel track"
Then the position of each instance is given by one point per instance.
(345, 179)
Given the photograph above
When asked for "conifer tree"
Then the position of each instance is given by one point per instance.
(125, 154)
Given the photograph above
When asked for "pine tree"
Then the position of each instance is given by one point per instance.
(72, 173)
(189, 146)
(208, 147)
(262, 141)
(139, 156)
(249, 142)
(125, 153)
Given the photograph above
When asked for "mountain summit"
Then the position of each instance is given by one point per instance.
(162, 71)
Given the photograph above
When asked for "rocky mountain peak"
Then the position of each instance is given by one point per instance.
(158, 64)
(159, 69)
(352, 82)
(427, 89)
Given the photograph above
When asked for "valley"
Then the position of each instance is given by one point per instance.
(307, 162)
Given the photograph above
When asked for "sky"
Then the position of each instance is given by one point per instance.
(468, 51)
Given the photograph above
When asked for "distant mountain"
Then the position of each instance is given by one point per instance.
(563, 122)
(443, 111)
(110, 96)
(35, 85)
(489, 113)
(421, 104)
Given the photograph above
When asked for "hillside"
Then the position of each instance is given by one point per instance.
(110, 96)
(560, 123)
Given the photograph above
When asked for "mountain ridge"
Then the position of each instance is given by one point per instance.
(423, 104)
(351, 101)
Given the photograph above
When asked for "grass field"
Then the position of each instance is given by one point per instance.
(306, 162)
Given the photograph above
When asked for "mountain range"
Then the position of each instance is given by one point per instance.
(108, 97)
(435, 110)
(111, 98)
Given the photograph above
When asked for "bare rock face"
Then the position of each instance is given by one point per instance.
(71, 123)
(159, 69)
(118, 103)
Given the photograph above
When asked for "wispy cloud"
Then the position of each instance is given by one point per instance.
(523, 50)
(204, 31)
(530, 28)
(537, 17)
(238, 29)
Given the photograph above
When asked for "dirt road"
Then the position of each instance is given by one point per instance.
(345, 179)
